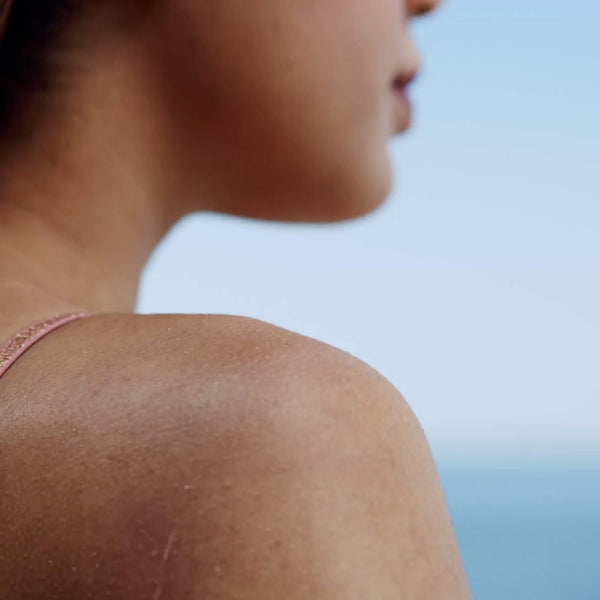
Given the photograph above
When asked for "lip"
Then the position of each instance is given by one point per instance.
(403, 110)
(405, 78)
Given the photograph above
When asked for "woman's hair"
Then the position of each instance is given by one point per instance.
(32, 30)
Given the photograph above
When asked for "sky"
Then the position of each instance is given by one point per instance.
(476, 288)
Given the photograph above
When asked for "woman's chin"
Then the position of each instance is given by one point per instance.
(356, 198)
(327, 196)
(336, 213)
(315, 208)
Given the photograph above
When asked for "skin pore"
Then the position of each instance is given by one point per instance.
(270, 110)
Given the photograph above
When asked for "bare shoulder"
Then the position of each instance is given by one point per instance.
(144, 377)
(111, 425)
(128, 357)
(118, 381)
(146, 371)
(127, 438)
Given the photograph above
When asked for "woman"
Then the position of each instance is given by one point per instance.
(197, 456)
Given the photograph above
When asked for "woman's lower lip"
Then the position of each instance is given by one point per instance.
(402, 109)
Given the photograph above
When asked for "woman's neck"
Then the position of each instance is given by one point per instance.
(84, 204)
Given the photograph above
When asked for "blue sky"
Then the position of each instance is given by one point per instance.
(476, 288)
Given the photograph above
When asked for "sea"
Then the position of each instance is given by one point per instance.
(527, 532)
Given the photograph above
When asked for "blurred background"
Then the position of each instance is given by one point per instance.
(475, 290)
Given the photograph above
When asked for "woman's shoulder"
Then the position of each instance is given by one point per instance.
(114, 424)
(189, 349)
(117, 358)
(152, 344)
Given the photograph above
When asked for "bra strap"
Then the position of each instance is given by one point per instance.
(23, 340)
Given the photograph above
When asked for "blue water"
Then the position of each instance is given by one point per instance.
(527, 533)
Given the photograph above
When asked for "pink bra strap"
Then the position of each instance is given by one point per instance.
(23, 340)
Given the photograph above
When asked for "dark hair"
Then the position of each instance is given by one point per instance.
(33, 29)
